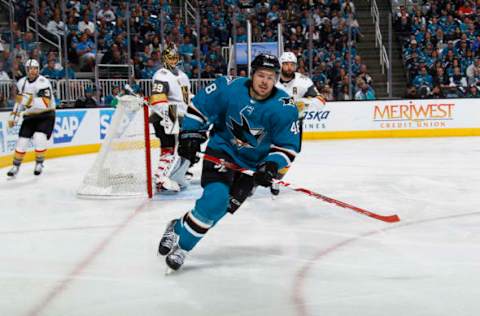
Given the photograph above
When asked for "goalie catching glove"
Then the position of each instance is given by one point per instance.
(266, 172)
(189, 144)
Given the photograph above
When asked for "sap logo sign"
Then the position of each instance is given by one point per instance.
(105, 120)
(66, 126)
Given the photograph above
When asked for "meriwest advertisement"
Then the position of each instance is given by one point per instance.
(393, 118)
(79, 131)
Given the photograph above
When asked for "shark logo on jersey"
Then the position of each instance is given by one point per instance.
(244, 136)
(288, 101)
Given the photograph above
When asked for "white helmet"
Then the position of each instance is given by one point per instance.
(288, 57)
(32, 63)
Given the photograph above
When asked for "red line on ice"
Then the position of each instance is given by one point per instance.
(82, 265)
(301, 276)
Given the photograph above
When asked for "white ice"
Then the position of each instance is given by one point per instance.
(295, 255)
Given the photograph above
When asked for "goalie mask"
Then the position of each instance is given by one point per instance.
(170, 57)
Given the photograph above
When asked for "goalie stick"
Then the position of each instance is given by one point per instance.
(230, 165)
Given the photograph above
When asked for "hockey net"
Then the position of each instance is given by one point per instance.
(122, 167)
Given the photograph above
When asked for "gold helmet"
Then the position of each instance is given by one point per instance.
(170, 56)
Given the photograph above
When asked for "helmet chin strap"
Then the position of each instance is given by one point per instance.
(173, 69)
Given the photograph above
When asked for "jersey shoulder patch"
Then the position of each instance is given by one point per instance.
(304, 79)
(287, 101)
(162, 75)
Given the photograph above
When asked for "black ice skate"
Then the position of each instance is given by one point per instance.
(38, 168)
(176, 258)
(13, 172)
(169, 239)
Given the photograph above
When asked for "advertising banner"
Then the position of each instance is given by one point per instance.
(394, 118)
(73, 128)
(257, 48)
(82, 130)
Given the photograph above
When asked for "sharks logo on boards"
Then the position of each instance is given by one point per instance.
(244, 135)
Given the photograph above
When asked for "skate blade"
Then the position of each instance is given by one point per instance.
(167, 192)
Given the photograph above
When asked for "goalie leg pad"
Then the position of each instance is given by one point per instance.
(179, 175)
(170, 175)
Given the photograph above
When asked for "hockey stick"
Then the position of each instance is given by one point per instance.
(230, 165)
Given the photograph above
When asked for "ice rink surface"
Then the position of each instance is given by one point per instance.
(295, 255)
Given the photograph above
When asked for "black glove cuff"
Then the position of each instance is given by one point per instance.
(193, 135)
(266, 172)
(270, 167)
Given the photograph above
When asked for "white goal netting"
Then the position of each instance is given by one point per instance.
(120, 167)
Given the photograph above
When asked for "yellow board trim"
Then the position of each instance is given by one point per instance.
(53, 153)
(447, 132)
(62, 152)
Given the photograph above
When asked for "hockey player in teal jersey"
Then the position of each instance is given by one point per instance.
(254, 125)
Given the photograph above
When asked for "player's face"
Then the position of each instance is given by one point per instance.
(288, 69)
(32, 72)
(172, 60)
(262, 82)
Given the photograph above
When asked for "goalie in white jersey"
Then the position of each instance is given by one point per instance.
(35, 103)
(168, 101)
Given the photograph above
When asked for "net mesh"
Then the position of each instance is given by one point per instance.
(119, 169)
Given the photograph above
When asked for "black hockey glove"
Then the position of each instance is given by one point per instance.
(189, 144)
(275, 189)
(266, 172)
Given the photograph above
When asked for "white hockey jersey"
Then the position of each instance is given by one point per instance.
(34, 97)
(303, 92)
(299, 87)
(175, 86)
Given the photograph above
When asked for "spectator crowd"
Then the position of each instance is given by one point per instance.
(441, 48)
(332, 56)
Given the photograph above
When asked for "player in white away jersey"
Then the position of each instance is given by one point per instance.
(301, 89)
(35, 103)
(169, 100)
(298, 86)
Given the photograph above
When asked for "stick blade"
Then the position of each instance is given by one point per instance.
(389, 218)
